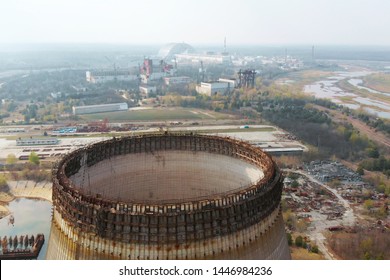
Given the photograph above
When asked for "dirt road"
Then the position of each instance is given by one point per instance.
(320, 223)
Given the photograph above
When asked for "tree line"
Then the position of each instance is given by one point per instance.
(316, 128)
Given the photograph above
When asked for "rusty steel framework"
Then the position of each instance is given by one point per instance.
(171, 221)
(246, 78)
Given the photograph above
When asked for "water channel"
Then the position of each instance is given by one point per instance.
(328, 89)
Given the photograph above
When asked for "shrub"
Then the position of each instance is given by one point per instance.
(299, 241)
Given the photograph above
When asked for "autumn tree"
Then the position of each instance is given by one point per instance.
(299, 241)
(33, 158)
(3, 182)
(11, 159)
(360, 170)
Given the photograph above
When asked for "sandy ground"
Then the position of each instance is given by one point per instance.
(9, 146)
(31, 189)
(26, 189)
(262, 138)
(3, 211)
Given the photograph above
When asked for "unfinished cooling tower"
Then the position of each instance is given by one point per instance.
(167, 196)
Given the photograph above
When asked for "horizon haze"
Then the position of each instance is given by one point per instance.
(200, 22)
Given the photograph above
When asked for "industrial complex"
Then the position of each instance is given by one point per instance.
(156, 72)
(186, 54)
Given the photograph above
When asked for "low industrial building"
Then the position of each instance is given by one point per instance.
(90, 109)
(208, 58)
(213, 87)
(172, 81)
(36, 141)
(147, 89)
(231, 81)
(107, 76)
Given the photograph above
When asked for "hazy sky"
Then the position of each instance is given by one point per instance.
(350, 22)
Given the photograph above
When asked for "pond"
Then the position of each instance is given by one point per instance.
(31, 216)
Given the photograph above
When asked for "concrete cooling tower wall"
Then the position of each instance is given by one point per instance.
(167, 196)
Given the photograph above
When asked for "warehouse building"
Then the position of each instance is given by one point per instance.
(181, 80)
(99, 76)
(36, 141)
(90, 109)
(213, 87)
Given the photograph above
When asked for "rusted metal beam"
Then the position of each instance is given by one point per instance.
(169, 221)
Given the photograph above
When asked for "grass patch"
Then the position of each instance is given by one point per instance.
(309, 75)
(302, 254)
(378, 81)
(234, 130)
(9, 137)
(160, 114)
(347, 99)
(346, 86)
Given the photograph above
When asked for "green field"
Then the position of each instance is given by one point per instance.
(236, 130)
(160, 114)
